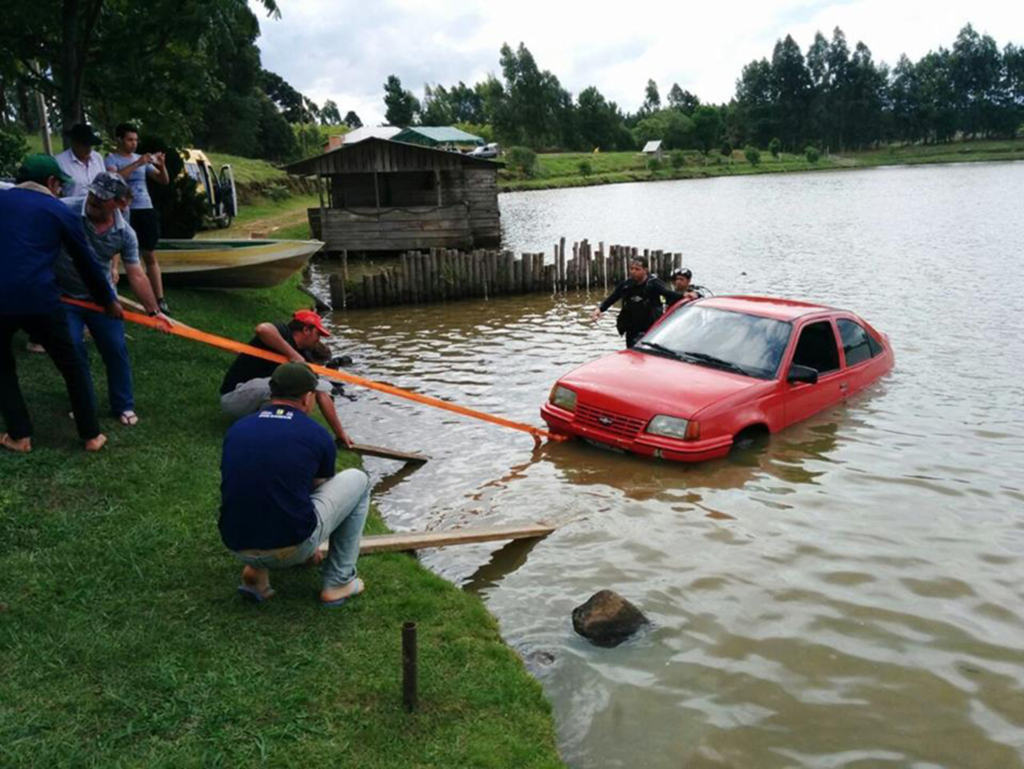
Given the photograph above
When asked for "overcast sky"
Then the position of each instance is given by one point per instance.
(344, 50)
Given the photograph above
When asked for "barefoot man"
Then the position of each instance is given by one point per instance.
(280, 496)
(33, 227)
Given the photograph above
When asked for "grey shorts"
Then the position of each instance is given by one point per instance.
(249, 397)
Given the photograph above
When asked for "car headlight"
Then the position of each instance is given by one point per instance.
(563, 397)
(674, 427)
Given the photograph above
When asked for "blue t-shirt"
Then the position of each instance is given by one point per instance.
(267, 469)
(118, 239)
(33, 227)
(136, 180)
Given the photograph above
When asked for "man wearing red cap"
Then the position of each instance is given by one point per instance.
(246, 386)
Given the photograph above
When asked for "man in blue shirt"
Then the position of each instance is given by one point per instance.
(33, 227)
(280, 497)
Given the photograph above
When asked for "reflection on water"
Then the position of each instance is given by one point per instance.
(847, 595)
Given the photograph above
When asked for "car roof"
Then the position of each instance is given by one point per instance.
(766, 306)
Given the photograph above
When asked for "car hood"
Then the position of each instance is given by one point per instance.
(641, 385)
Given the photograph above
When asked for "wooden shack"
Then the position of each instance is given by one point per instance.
(381, 195)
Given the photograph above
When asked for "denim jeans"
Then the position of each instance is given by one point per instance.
(109, 337)
(249, 397)
(341, 505)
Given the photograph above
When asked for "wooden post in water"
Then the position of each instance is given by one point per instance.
(344, 276)
(561, 264)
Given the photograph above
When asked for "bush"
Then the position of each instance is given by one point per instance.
(585, 168)
(752, 154)
(774, 147)
(278, 193)
(654, 165)
(678, 160)
(726, 149)
(812, 154)
(13, 150)
(522, 159)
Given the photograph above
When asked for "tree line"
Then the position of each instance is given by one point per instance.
(831, 97)
(188, 71)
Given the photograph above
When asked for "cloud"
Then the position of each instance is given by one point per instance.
(344, 50)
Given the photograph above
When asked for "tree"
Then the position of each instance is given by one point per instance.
(976, 68)
(401, 106)
(774, 146)
(599, 121)
(330, 114)
(791, 91)
(707, 127)
(755, 104)
(352, 120)
(681, 100)
(752, 154)
(652, 101)
(672, 127)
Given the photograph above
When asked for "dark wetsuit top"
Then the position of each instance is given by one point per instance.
(641, 303)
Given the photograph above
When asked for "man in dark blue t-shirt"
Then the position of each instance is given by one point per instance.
(280, 497)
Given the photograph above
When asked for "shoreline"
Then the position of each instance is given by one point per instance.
(955, 152)
(122, 638)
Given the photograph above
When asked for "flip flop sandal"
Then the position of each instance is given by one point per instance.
(341, 601)
(129, 418)
(254, 595)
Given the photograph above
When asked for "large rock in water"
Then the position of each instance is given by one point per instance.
(607, 619)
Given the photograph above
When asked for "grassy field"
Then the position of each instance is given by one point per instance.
(562, 169)
(123, 644)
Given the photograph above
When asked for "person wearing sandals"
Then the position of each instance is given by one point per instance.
(281, 498)
(109, 235)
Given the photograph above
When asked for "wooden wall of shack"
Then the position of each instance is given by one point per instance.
(387, 196)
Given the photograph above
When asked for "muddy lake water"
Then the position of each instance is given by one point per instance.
(849, 595)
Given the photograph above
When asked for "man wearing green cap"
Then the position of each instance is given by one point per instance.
(281, 498)
(33, 226)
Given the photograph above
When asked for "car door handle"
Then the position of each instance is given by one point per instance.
(844, 386)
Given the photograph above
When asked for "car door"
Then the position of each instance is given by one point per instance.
(817, 347)
(859, 349)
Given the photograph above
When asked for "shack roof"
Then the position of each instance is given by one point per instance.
(370, 132)
(652, 146)
(385, 156)
(436, 135)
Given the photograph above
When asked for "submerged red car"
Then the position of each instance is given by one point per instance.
(715, 372)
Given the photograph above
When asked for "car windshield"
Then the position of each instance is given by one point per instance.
(721, 338)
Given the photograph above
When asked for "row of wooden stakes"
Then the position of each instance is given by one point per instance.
(442, 275)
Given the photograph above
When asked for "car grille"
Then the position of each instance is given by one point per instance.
(608, 421)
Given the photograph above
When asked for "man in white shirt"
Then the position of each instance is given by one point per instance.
(81, 162)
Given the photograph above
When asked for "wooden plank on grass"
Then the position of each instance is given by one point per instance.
(379, 451)
(417, 540)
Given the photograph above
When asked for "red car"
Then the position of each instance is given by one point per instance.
(715, 372)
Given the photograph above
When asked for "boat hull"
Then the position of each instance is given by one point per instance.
(232, 264)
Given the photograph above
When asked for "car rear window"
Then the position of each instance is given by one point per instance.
(754, 343)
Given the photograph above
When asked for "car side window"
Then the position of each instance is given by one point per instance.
(817, 348)
(856, 342)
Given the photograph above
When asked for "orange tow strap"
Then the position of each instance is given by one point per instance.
(232, 346)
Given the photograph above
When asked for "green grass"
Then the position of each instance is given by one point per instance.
(122, 642)
(247, 170)
(562, 169)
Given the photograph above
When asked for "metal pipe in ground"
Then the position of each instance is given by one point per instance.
(409, 665)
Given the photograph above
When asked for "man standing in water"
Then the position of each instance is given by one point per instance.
(280, 497)
(641, 294)
(135, 169)
(681, 282)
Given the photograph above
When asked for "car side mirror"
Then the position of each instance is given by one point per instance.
(804, 374)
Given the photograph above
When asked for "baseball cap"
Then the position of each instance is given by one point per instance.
(109, 186)
(682, 273)
(310, 318)
(39, 168)
(292, 379)
(83, 133)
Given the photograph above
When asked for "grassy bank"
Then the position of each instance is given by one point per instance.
(563, 169)
(122, 642)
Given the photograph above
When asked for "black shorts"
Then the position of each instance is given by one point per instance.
(146, 224)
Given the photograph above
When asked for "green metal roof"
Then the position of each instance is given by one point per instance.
(432, 135)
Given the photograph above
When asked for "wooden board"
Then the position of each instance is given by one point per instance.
(379, 451)
(413, 540)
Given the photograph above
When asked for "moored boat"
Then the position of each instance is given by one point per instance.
(232, 263)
